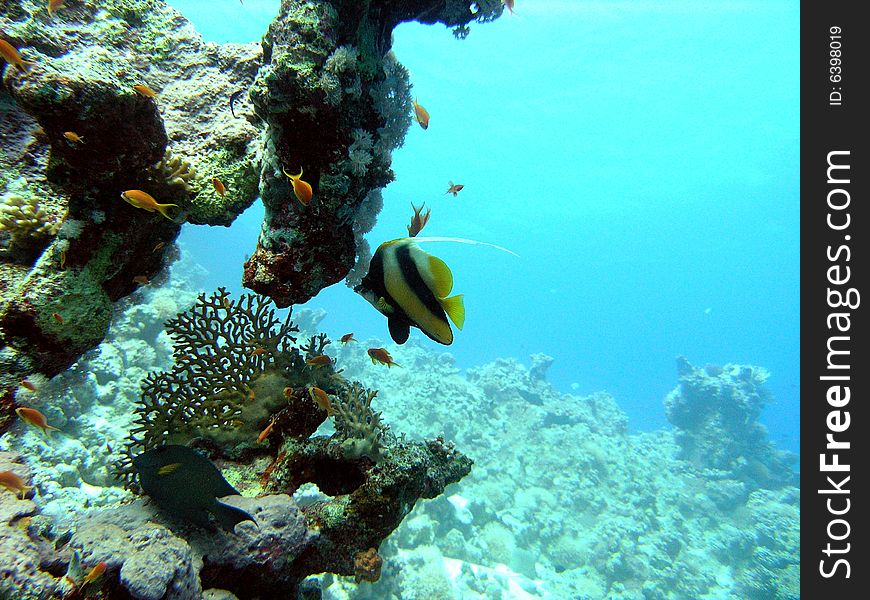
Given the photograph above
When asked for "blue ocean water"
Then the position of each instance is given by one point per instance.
(640, 157)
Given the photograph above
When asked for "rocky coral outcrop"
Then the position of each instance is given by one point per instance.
(77, 133)
(715, 412)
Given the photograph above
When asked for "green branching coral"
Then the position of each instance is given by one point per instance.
(359, 425)
(233, 361)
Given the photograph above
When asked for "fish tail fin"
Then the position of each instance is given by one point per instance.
(463, 241)
(228, 516)
(163, 209)
(455, 309)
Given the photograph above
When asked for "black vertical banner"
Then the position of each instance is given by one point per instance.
(835, 349)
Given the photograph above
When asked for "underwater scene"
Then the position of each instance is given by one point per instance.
(399, 299)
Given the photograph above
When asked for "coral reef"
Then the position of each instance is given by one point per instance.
(715, 414)
(336, 104)
(328, 98)
(566, 502)
(83, 66)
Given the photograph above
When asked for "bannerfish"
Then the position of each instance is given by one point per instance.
(187, 486)
(411, 287)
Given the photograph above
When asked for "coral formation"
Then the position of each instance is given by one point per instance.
(715, 413)
(83, 69)
(336, 103)
(358, 423)
(599, 512)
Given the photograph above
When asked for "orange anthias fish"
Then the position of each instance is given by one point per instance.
(73, 137)
(347, 337)
(422, 115)
(28, 385)
(321, 398)
(53, 5)
(140, 199)
(33, 417)
(509, 4)
(94, 573)
(10, 55)
(454, 188)
(219, 186)
(144, 90)
(380, 355)
(302, 189)
(141, 280)
(14, 483)
(258, 351)
(57, 317)
(319, 361)
(158, 246)
(265, 433)
(419, 220)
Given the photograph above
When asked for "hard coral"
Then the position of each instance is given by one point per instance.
(23, 217)
(232, 363)
(175, 171)
(361, 426)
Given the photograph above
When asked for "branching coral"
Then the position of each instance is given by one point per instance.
(361, 426)
(232, 363)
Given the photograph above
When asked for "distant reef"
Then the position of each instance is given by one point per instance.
(125, 95)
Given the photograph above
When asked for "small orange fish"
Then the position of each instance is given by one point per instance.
(509, 4)
(14, 483)
(53, 5)
(258, 351)
(28, 385)
(73, 137)
(288, 393)
(57, 317)
(33, 417)
(347, 337)
(422, 115)
(141, 280)
(321, 398)
(219, 186)
(419, 220)
(319, 361)
(94, 573)
(10, 55)
(454, 188)
(144, 90)
(265, 433)
(140, 199)
(62, 258)
(380, 355)
(252, 395)
(159, 246)
(302, 189)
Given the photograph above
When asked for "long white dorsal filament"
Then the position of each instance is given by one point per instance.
(463, 241)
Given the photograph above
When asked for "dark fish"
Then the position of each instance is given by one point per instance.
(233, 97)
(187, 486)
(410, 287)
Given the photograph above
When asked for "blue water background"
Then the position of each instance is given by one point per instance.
(641, 157)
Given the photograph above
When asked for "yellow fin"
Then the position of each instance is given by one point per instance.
(455, 309)
(441, 280)
(167, 469)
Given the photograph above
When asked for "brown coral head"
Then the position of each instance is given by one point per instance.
(367, 565)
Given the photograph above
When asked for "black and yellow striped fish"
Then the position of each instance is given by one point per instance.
(411, 287)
